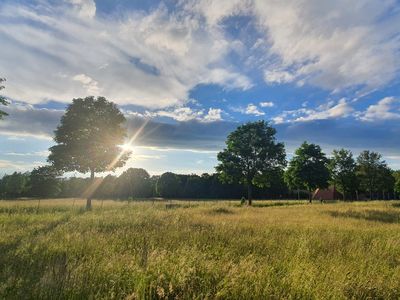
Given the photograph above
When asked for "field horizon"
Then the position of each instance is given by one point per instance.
(199, 249)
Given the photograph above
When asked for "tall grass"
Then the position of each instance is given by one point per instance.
(199, 250)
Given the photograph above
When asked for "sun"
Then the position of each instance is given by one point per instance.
(126, 147)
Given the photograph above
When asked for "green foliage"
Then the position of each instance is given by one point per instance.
(342, 167)
(209, 251)
(3, 100)
(134, 183)
(89, 136)
(308, 168)
(44, 182)
(16, 185)
(252, 156)
(168, 185)
(373, 173)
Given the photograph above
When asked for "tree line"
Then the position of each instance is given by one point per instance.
(253, 163)
(366, 177)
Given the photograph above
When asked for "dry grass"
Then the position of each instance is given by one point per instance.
(197, 250)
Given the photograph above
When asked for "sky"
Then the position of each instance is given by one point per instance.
(326, 72)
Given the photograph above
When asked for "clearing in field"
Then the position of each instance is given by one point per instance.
(199, 250)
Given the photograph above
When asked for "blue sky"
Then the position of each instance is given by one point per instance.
(322, 71)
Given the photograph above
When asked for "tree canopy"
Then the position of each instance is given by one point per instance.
(252, 156)
(343, 171)
(44, 182)
(88, 138)
(371, 170)
(308, 168)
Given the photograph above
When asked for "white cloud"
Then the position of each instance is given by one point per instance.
(381, 111)
(85, 8)
(149, 59)
(252, 109)
(278, 76)
(267, 104)
(90, 84)
(332, 44)
(213, 115)
(330, 110)
(184, 114)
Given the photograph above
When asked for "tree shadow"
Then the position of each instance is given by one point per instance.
(397, 205)
(273, 204)
(369, 215)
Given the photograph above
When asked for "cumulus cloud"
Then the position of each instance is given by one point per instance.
(386, 109)
(267, 104)
(250, 109)
(150, 59)
(330, 110)
(331, 44)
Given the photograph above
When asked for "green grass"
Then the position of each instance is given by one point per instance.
(199, 250)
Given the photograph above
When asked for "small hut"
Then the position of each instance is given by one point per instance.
(330, 193)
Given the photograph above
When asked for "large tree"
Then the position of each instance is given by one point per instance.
(343, 171)
(369, 168)
(88, 138)
(308, 168)
(3, 100)
(251, 157)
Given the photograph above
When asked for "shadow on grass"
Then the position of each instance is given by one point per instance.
(272, 204)
(369, 215)
(220, 211)
(397, 205)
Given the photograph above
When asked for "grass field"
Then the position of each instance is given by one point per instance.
(202, 250)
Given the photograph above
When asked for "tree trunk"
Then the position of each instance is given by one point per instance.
(310, 196)
(89, 198)
(250, 193)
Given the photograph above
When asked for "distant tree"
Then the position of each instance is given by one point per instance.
(396, 175)
(108, 188)
(15, 185)
(343, 171)
(369, 168)
(169, 185)
(44, 182)
(194, 187)
(73, 186)
(251, 156)
(308, 168)
(3, 100)
(88, 138)
(134, 183)
(386, 181)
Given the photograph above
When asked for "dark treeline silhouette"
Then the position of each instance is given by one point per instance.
(131, 184)
(377, 182)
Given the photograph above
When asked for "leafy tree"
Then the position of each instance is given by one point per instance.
(44, 182)
(396, 175)
(134, 182)
(3, 100)
(169, 185)
(343, 171)
(369, 168)
(251, 156)
(88, 138)
(308, 168)
(194, 187)
(108, 188)
(386, 181)
(15, 185)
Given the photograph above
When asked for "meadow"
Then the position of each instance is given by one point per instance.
(199, 250)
